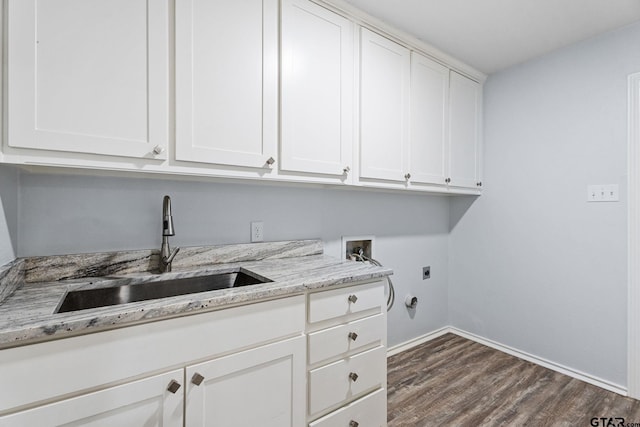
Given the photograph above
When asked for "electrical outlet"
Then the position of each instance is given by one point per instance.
(257, 231)
(426, 272)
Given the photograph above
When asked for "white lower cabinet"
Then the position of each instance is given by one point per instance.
(346, 358)
(238, 367)
(146, 402)
(250, 362)
(259, 387)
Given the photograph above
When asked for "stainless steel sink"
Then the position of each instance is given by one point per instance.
(102, 297)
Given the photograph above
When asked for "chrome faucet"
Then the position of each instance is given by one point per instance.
(166, 256)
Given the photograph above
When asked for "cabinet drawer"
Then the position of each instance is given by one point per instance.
(338, 341)
(331, 384)
(370, 411)
(345, 301)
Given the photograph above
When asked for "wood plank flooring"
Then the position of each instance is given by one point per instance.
(452, 381)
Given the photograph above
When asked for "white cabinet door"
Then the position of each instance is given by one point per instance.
(146, 402)
(263, 387)
(317, 89)
(429, 116)
(226, 81)
(88, 77)
(384, 108)
(464, 131)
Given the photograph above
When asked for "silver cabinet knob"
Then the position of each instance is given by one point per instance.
(479, 184)
(353, 423)
(346, 169)
(158, 149)
(448, 180)
(353, 299)
(197, 379)
(271, 161)
(173, 386)
(353, 336)
(353, 376)
(407, 176)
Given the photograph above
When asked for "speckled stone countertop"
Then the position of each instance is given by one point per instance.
(27, 315)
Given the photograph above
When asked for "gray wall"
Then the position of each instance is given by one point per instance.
(8, 213)
(74, 214)
(532, 264)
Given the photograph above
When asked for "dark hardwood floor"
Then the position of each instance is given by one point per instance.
(451, 381)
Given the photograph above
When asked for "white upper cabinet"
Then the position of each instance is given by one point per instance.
(384, 108)
(88, 77)
(317, 90)
(288, 90)
(226, 81)
(429, 120)
(465, 97)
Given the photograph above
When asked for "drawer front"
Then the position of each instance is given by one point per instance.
(345, 301)
(344, 339)
(370, 411)
(331, 384)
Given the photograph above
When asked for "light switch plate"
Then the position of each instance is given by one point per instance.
(603, 193)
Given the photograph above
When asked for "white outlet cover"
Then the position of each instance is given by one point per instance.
(257, 231)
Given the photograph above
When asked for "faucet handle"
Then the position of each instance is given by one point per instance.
(169, 259)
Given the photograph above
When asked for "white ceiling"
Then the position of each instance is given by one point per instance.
(492, 35)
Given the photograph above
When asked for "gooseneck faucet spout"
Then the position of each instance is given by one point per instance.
(166, 256)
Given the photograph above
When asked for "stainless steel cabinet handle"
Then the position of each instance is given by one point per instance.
(353, 423)
(407, 176)
(353, 299)
(197, 379)
(353, 336)
(271, 161)
(346, 169)
(158, 149)
(353, 376)
(173, 386)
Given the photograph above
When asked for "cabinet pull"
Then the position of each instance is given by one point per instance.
(353, 299)
(407, 176)
(173, 386)
(197, 379)
(353, 423)
(353, 336)
(271, 161)
(479, 184)
(353, 376)
(346, 170)
(448, 180)
(158, 149)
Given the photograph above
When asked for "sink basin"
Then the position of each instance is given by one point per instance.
(102, 297)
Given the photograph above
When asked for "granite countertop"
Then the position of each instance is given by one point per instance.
(27, 315)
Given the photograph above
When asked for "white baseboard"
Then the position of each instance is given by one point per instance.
(399, 348)
(616, 388)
